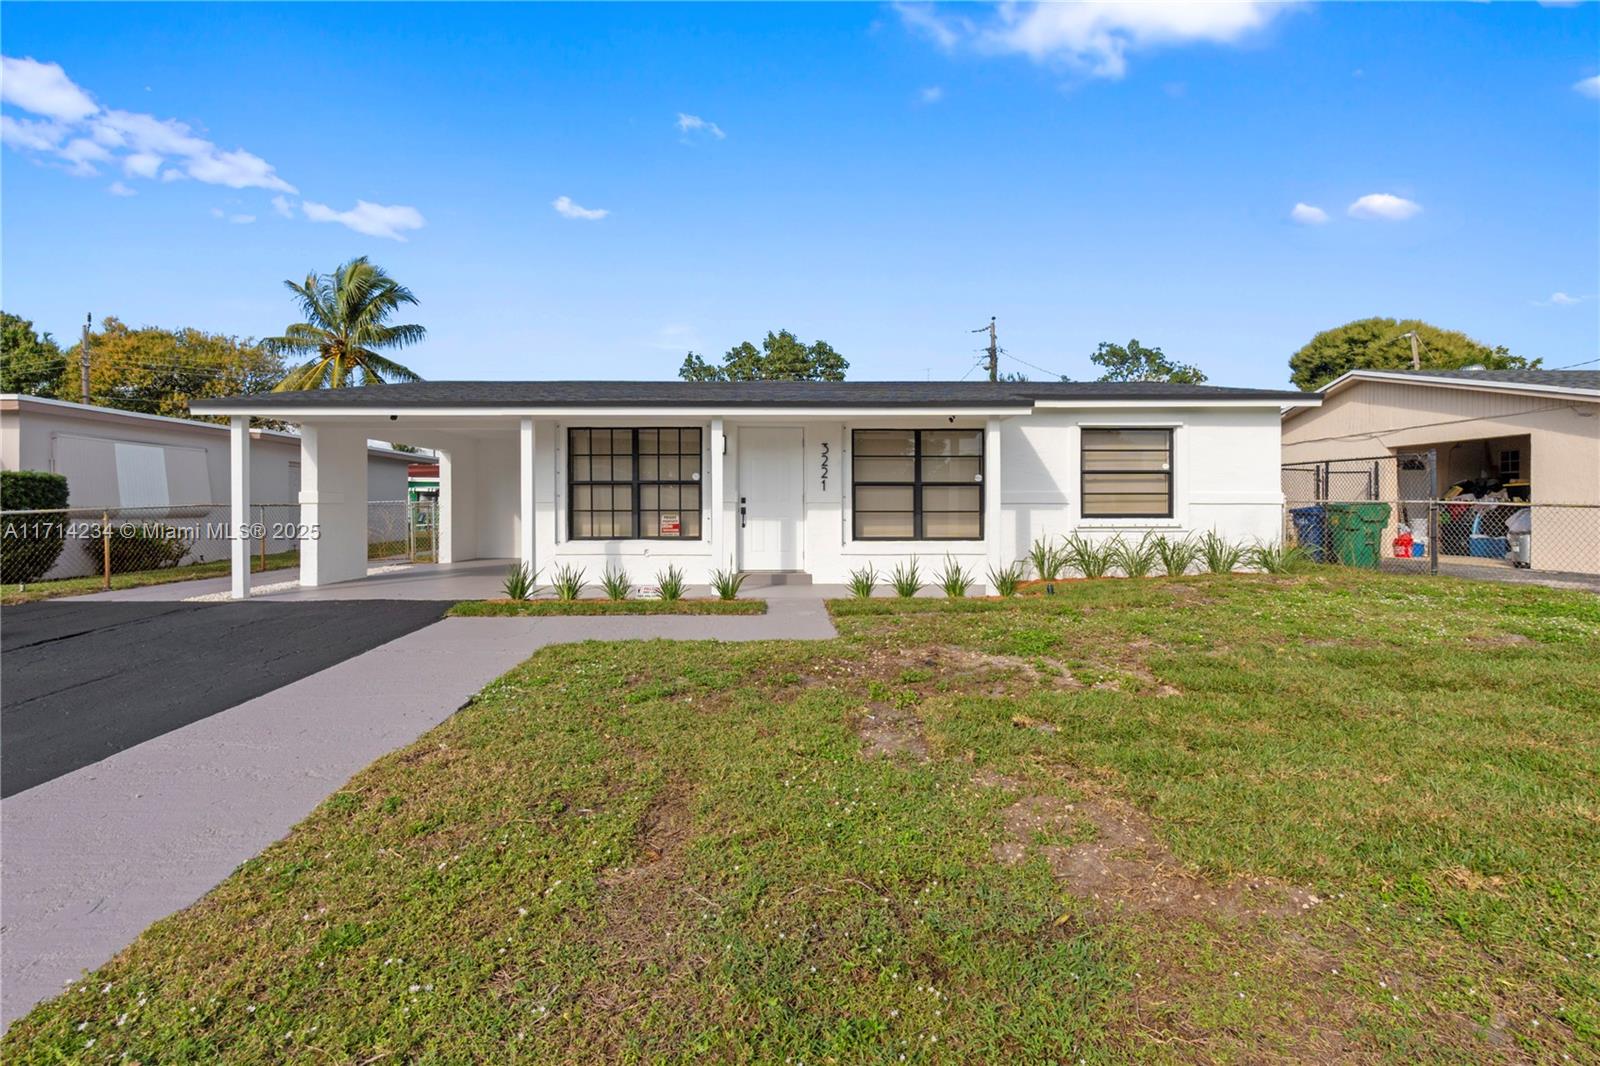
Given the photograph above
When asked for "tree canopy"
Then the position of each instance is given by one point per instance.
(1382, 344)
(781, 357)
(158, 371)
(346, 323)
(30, 363)
(1135, 362)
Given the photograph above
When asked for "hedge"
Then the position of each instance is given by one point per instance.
(30, 544)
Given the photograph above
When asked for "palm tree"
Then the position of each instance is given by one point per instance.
(346, 316)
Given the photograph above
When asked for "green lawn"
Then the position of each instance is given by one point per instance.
(1337, 816)
(515, 608)
(78, 586)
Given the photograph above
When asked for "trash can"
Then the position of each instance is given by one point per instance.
(1310, 529)
(1356, 532)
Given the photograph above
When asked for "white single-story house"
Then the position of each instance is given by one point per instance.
(813, 478)
(116, 460)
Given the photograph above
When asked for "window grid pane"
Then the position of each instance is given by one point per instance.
(1126, 473)
(917, 484)
(630, 483)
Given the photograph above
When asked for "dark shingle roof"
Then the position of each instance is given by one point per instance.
(1566, 379)
(738, 394)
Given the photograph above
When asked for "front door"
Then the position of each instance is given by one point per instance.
(772, 506)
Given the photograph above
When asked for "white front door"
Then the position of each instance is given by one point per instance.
(772, 505)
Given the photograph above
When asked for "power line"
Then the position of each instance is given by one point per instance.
(1034, 366)
(1569, 366)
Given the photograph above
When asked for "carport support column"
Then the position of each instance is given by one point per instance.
(995, 538)
(239, 504)
(714, 496)
(526, 509)
(333, 504)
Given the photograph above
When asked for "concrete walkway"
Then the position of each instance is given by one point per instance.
(93, 857)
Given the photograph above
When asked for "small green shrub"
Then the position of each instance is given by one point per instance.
(31, 544)
(1277, 558)
(1047, 559)
(1087, 557)
(671, 584)
(519, 582)
(615, 583)
(955, 579)
(569, 582)
(1220, 556)
(1134, 560)
(1177, 555)
(726, 583)
(863, 582)
(907, 578)
(138, 546)
(1006, 580)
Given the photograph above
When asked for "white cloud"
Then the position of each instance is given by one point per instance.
(241, 220)
(28, 135)
(374, 220)
(690, 125)
(1094, 39)
(116, 188)
(1308, 215)
(283, 206)
(141, 164)
(43, 89)
(931, 95)
(1561, 299)
(83, 135)
(567, 209)
(1384, 207)
(1588, 87)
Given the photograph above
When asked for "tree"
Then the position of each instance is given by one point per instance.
(1135, 362)
(158, 371)
(346, 322)
(1382, 344)
(30, 363)
(781, 357)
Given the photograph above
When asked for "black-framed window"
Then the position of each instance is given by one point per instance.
(917, 484)
(1127, 473)
(1510, 464)
(633, 483)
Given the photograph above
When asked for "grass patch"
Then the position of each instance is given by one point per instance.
(1332, 816)
(514, 608)
(78, 586)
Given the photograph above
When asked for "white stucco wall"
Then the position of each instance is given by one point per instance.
(1225, 478)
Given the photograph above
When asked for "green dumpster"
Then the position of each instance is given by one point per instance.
(1355, 531)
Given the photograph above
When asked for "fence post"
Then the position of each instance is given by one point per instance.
(1433, 537)
(261, 518)
(105, 549)
(412, 510)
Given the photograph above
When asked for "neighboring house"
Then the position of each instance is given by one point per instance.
(808, 478)
(1535, 431)
(115, 459)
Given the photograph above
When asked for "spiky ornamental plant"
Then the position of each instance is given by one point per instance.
(346, 324)
(863, 581)
(1006, 580)
(1177, 554)
(1047, 559)
(519, 582)
(955, 579)
(1219, 555)
(569, 582)
(726, 583)
(670, 584)
(907, 578)
(615, 583)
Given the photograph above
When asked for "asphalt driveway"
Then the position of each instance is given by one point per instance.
(86, 680)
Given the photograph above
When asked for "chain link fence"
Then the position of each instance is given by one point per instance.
(83, 542)
(1389, 512)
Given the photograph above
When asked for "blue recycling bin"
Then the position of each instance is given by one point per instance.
(1311, 529)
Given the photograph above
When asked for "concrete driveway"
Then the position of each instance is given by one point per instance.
(94, 855)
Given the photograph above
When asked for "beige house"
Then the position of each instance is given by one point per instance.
(1536, 430)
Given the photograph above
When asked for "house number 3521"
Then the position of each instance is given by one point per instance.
(824, 466)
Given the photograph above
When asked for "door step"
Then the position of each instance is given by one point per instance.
(769, 578)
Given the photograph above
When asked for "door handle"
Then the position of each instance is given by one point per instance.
(741, 512)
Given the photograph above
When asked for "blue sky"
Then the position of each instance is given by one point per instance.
(884, 177)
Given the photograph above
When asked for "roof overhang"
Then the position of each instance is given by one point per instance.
(297, 414)
(1352, 377)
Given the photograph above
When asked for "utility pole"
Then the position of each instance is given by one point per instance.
(83, 356)
(993, 361)
(1416, 353)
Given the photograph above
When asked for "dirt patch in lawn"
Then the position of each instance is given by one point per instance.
(887, 731)
(1125, 865)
